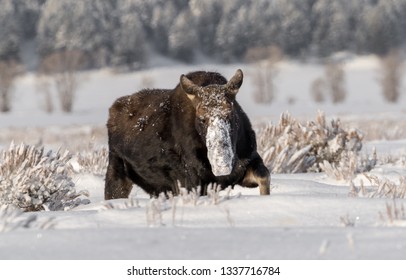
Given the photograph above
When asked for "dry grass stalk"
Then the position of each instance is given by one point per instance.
(154, 212)
(215, 196)
(393, 213)
(230, 219)
(189, 197)
(130, 203)
(174, 202)
(379, 187)
(360, 191)
(347, 221)
(12, 218)
(324, 247)
(213, 193)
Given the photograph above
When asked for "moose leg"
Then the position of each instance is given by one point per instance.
(257, 175)
(117, 184)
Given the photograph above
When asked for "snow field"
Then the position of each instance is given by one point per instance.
(307, 216)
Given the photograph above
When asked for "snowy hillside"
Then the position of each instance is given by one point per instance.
(307, 216)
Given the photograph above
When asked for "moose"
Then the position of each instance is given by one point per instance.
(191, 136)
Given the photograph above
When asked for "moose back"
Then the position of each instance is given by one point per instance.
(194, 135)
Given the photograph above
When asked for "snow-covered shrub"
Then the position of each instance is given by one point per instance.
(350, 164)
(12, 218)
(293, 147)
(94, 161)
(33, 180)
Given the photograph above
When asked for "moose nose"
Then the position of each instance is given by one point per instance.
(219, 147)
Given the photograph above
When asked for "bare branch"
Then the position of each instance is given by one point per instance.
(63, 67)
(8, 72)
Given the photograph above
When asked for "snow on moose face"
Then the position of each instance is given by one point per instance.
(215, 120)
(219, 147)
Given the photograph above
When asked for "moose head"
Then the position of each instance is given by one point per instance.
(216, 119)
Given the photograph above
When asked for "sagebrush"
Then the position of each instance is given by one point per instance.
(293, 147)
(287, 147)
(33, 180)
(93, 161)
(350, 164)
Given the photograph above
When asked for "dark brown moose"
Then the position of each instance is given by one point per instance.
(194, 135)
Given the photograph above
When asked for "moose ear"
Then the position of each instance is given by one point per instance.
(188, 86)
(235, 82)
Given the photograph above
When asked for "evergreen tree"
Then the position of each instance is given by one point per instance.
(10, 31)
(28, 13)
(129, 42)
(382, 27)
(142, 8)
(183, 37)
(332, 26)
(233, 32)
(76, 25)
(116, 32)
(264, 23)
(163, 17)
(206, 15)
(295, 26)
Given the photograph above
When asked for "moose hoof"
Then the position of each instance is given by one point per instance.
(264, 190)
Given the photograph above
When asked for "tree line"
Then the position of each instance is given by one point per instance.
(59, 37)
(118, 33)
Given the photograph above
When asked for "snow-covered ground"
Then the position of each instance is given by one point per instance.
(304, 218)
(307, 216)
